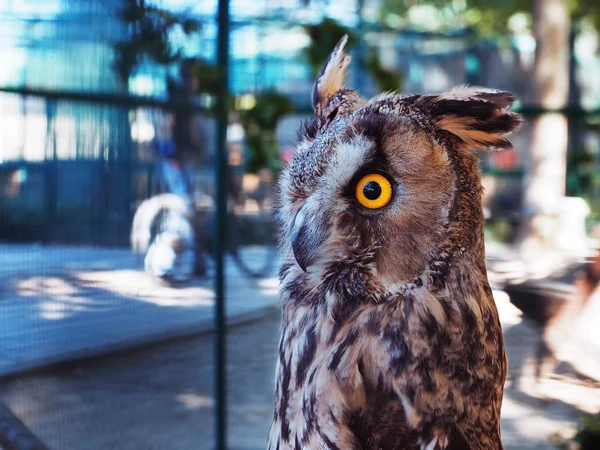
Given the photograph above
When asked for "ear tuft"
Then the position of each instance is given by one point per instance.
(332, 76)
(479, 117)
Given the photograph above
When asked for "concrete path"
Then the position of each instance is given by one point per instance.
(59, 304)
(161, 397)
(64, 303)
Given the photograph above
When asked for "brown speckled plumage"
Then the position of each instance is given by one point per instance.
(390, 338)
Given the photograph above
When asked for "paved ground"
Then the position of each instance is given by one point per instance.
(61, 303)
(156, 398)
(160, 397)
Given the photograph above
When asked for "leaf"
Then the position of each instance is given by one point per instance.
(323, 37)
(588, 434)
(149, 38)
(260, 125)
(387, 80)
(190, 26)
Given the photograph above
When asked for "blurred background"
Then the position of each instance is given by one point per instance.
(114, 118)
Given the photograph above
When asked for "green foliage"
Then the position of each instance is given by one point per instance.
(149, 37)
(586, 438)
(206, 77)
(588, 434)
(323, 37)
(260, 124)
(586, 10)
(386, 80)
(498, 230)
(583, 176)
(487, 16)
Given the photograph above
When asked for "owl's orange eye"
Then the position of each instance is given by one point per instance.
(373, 191)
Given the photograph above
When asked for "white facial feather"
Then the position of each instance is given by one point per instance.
(345, 162)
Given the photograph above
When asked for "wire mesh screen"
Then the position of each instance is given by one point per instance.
(107, 199)
(78, 157)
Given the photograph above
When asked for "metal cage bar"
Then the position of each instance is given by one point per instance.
(221, 223)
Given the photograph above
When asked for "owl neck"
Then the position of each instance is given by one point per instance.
(463, 246)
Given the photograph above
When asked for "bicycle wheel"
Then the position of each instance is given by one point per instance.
(252, 244)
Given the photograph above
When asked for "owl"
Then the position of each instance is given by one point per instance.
(390, 335)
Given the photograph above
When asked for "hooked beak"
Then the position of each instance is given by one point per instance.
(307, 237)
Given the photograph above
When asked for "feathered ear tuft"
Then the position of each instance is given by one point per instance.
(477, 116)
(332, 76)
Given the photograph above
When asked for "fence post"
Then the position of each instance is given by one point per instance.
(221, 218)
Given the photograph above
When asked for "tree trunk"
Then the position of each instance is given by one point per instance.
(544, 185)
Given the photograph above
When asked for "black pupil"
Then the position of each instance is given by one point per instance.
(372, 190)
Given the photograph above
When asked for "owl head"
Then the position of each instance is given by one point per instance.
(388, 188)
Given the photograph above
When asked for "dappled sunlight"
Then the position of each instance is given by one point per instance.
(195, 401)
(537, 411)
(137, 284)
(270, 283)
(56, 298)
(536, 428)
(94, 301)
(106, 277)
(54, 311)
(164, 296)
(34, 286)
(570, 391)
(269, 286)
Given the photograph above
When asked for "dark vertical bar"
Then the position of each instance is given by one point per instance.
(221, 173)
(361, 49)
(576, 124)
